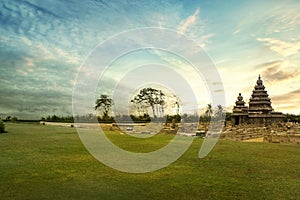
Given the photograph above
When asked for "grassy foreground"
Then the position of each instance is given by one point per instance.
(48, 162)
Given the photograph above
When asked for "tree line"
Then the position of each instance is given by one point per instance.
(154, 100)
(142, 118)
(148, 99)
(292, 118)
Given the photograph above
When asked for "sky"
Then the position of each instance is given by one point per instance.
(44, 44)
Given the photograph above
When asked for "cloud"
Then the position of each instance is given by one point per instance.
(236, 31)
(269, 64)
(26, 41)
(33, 102)
(281, 47)
(275, 71)
(289, 101)
(205, 39)
(43, 43)
(262, 18)
(286, 21)
(188, 22)
(288, 97)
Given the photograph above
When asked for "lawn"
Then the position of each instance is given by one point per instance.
(49, 162)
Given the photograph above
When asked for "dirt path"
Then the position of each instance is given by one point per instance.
(261, 139)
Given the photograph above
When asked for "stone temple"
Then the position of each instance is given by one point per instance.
(259, 111)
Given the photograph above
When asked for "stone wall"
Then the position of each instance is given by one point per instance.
(287, 138)
(243, 132)
(275, 132)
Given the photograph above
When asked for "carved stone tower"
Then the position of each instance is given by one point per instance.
(240, 111)
(260, 110)
(260, 103)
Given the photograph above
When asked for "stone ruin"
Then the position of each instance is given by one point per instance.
(260, 110)
(273, 133)
(259, 120)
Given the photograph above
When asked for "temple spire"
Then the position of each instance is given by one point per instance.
(259, 82)
(259, 111)
(260, 101)
(240, 101)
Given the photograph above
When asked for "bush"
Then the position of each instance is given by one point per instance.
(2, 126)
(14, 119)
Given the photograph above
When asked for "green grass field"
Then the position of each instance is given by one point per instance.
(48, 162)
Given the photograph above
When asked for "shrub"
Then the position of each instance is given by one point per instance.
(2, 126)
(14, 119)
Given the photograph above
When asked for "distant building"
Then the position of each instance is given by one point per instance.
(259, 111)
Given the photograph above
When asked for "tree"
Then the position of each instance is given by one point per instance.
(220, 111)
(209, 110)
(177, 105)
(8, 118)
(292, 118)
(228, 116)
(150, 97)
(2, 126)
(104, 103)
(14, 119)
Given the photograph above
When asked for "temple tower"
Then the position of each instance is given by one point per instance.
(260, 103)
(260, 110)
(240, 111)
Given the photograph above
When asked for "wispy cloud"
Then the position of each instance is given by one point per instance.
(268, 64)
(267, 19)
(289, 101)
(281, 47)
(188, 22)
(236, 31)
(287, 21)
(293, 95)
(193, 26)
(276, 71)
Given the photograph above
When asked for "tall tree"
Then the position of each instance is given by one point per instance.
(177, 105)
(209, 110)
(150, 97)
(104, 103)
(220, 111)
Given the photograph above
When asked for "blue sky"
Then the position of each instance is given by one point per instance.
(43, 44)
